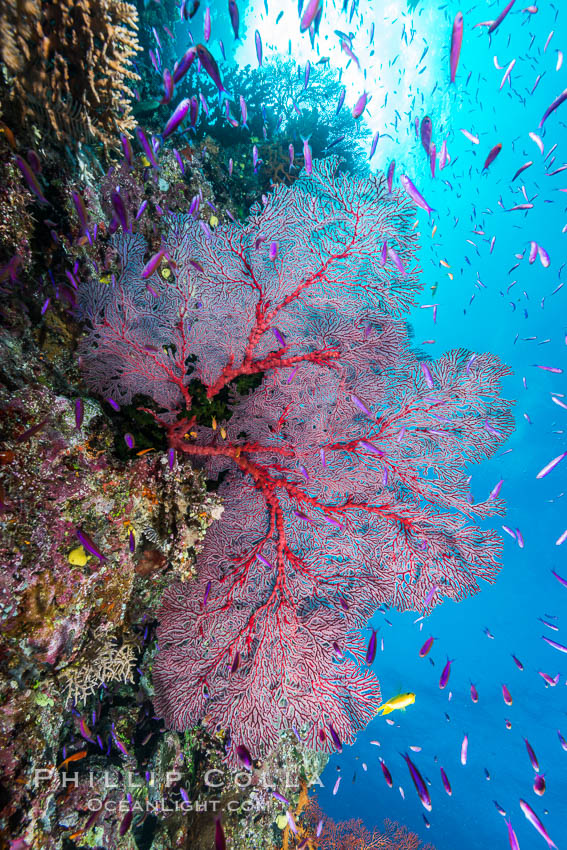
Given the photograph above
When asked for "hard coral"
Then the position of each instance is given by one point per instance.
(69, 62)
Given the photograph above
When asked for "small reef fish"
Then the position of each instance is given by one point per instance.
(399, 702)
(456, 43)
(420, 786)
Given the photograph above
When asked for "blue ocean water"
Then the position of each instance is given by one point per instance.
(488, 306)
(488, 297)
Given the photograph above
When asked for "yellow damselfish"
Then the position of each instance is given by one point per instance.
(401, 701)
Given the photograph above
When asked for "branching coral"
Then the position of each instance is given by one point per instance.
(353, 835)
(69, 62)
(108, 663)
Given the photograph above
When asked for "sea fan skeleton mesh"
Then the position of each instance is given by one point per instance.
(345, 481)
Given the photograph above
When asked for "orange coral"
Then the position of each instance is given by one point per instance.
(353, 835)
(69, 62)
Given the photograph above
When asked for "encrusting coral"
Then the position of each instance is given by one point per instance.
(68, 63)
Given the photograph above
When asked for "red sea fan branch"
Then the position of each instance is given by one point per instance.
(346, 482)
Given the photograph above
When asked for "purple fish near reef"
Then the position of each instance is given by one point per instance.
(145, 145)
(310, 13)
(446, 673)
(556, 103)
(167, 86)
(420, 786)
(414, 194)
(90, 545)
(209, 64)
(177, 117)
(234, 16)
(536, 823)
(120, 210)
(371, 651)
(492, 155)
(335, 737)
(359, 106)
(456, 42)
(220, 841)
(426, 131)
(79, 412)
(390, 177)
(153, 263)
(30, 179)
(446, 783)
(184, 64)
(500, 17)
(307, 155)
(258, 41)
(244, 756)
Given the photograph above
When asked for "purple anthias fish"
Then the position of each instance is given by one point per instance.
(89, 544)
(146, 147)
(167, 86)
(177, 117)
(184, 64)
(500, 17)
(360, 105)
(426, 647)
(244, 756)
(390, 176)
(556, 103)
(371, 651)
(209, 64)
(153, 263)
(258, 40)
(309, 14)
(421, 787)
(307, 155)
(414, 194)
(426, 131)
(30, 179)
(446, 673)
(446, 783)
(456, 42)
(79, 412)
(234, 17)
(335, 737)
(120, 210)
(220, 840)
(536, 823)
(387, 774)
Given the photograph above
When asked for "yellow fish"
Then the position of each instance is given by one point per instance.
(401, 701)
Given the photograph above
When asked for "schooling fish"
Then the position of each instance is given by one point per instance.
(556, 103)
(446, 673)
(309, 14)
(536, 823)
(359, 106)
(209, 64)
(414, 194)
(177, 117)
(387, 774)
(456, 42)
(492, 155)
(419, 783)
(426, 647)
(371, 651)
(258, 40)
(234, 17)
(500, 17)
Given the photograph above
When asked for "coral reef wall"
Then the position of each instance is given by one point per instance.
(68, 64)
